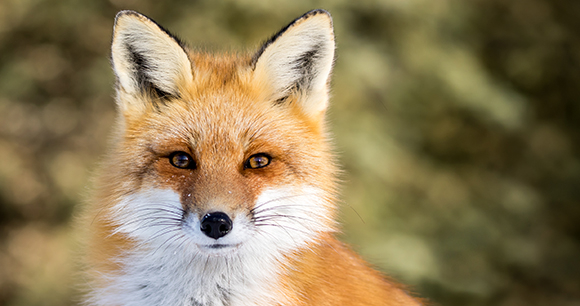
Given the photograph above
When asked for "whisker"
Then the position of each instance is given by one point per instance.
(156, 222)
(183, 241)
(143, 220)
(271, 237)
(307, 227)
(151, 211)
(156, 212)
(299, 207)
(280, 199)
(156, 206)
(270, 217)
(160, 223)
(160, 210)
(165, 232)
(285, 228)
(165, 243)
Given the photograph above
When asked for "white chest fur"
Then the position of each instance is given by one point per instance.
(169, 277)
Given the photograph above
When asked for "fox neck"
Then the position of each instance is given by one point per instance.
(180, 279)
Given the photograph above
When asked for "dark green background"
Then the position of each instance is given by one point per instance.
(457, 124)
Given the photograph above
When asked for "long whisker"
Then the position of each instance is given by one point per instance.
(301, 207)
(157, 211)
(161, 233)
(255, 209)
(164, 207)
(285, 228)
(281, 216)
(146, 223)
(167, 243)
(183, 241)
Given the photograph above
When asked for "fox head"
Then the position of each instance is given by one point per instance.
(218, 154)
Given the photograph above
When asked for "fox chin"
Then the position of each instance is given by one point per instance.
(219, 187)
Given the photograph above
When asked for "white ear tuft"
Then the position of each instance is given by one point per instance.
(298, 60)
(146, 58)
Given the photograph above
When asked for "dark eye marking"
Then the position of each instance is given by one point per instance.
(182, 160)
(257, 161)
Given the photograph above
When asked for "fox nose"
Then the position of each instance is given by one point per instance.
(216, 225)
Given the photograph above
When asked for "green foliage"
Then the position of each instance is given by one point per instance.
(457, 122)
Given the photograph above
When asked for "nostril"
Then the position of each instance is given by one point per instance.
(216, 225)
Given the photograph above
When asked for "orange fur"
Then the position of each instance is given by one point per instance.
(222, 117)
(329, 273)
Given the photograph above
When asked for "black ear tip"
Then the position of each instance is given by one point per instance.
(123, 13)
(313, 13)
(296, 21)
(317, 12)
(134, 14)
(129, 13)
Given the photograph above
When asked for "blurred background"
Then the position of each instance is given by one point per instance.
(457, 124)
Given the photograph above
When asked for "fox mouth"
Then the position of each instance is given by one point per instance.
(220, 246)
(218, 249)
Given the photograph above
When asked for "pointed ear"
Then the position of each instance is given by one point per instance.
(298, 61)
(147, 59)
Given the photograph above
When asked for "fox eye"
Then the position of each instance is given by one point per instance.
(181, 160)
(259, 160)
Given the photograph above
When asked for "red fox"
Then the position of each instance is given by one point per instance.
(220, 187)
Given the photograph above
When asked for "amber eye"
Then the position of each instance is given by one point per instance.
(181, 160)
(259, 160)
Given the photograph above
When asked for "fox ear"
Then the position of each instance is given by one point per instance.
(147, 59)
(298, 61)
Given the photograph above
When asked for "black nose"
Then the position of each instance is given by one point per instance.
(216, 225)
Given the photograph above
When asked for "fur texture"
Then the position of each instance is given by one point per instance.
(250, 135)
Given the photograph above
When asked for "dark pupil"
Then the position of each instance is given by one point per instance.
(181, 160)
(259, 161)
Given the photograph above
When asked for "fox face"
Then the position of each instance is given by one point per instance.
(224, 168)
(220, 166)
(224, 146)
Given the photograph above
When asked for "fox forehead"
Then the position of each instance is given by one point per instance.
(218, 121)
(214, 72)
(223, 106)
